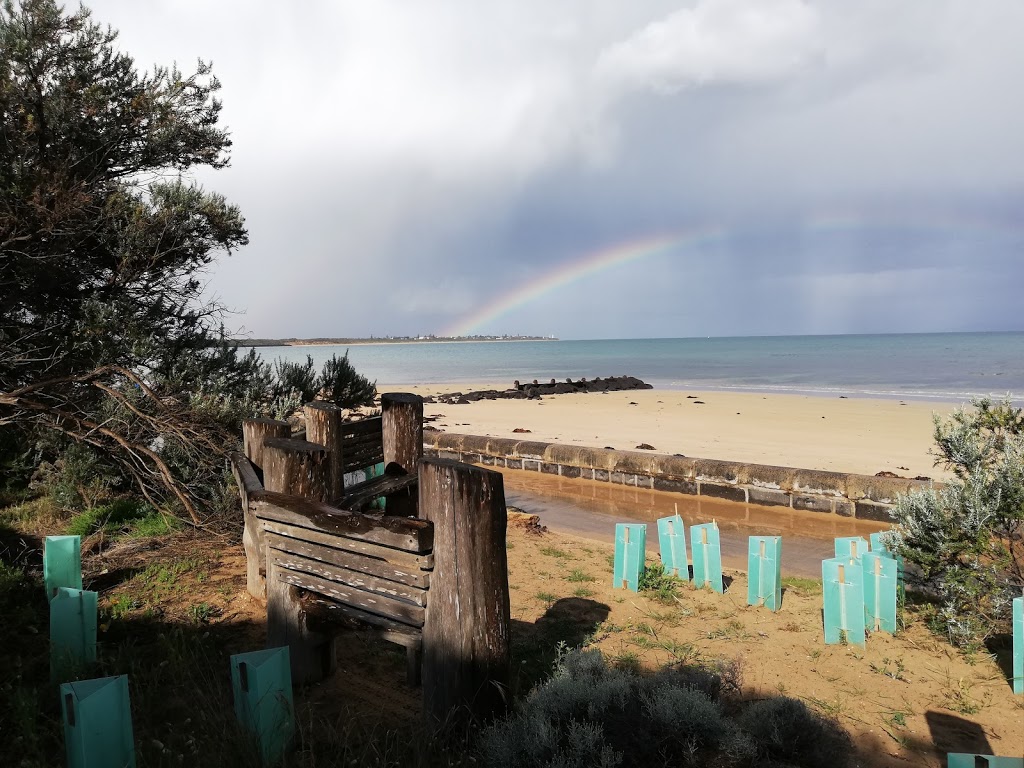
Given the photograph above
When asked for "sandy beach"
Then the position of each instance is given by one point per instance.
(858, 435)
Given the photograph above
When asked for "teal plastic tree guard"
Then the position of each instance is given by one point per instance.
(851, 546)
(62, 563)
(843, 591)
(72, 631)
(630, 553)
(1018, 645)
(707, 556)
(672, 543)
(877, 545)
(98, 723)
(262, 682)
(962, 760)
(764, 572)
(880, 588)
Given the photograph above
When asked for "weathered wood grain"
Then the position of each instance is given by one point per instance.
(389, 608)
(280, 551)
(324, 427)
(403, 533)
(466, 650)
(255, 431)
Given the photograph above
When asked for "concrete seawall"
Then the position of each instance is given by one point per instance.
(847, 495)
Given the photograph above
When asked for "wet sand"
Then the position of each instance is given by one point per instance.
(590, 510)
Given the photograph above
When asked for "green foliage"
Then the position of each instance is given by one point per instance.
(785, 731)
(341, 384)
(125, 515)
(964, 538)
(591, 714)
(107, 342)
(657, 580)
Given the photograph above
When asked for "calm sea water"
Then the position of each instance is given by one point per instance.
(943, 366)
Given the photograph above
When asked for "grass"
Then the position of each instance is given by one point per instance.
(583, 592)
(578, 575)
(801, 586)
(561, 554)
(893, 668)
(657, 580)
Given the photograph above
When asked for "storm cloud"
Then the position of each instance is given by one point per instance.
(402, 166)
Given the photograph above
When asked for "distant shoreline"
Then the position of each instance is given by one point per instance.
(361, 342)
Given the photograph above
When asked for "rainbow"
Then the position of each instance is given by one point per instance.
(588, 264)
(826, 223)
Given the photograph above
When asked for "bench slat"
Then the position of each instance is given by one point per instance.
(398, 557)
(408, 534)
(385, 568)
(362, 493)
(385, 607)
(342, 566)
(392, 631)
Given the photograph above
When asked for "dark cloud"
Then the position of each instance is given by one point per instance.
(864, 161)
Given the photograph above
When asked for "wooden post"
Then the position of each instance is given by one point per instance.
(323, 426)
(295, 467)
(466, 652)
(255, 431)
(402, 424)
(312, 654)
(402, 438)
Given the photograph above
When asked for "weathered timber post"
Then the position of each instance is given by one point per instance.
(312, 654)
(255, 431)
(402, 437)
(295, 467)
(252, 533)
(323, 427)
(402, 424)
(466, 652)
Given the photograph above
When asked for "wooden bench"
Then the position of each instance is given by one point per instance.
(327, 568)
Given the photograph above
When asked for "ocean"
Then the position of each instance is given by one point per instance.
(934, 366)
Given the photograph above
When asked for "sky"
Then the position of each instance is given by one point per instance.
(601, 169)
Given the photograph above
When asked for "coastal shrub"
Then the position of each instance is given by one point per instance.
(785, 731)
(341, 384)
(291, 378)
(589, 713)
(965, 539)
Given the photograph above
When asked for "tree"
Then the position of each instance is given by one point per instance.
(965, 538)
(105, 339)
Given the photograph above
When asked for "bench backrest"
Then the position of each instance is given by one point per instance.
(363, 444)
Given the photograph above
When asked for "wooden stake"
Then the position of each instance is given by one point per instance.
(466, 651)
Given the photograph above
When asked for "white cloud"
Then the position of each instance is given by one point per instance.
(714, 42)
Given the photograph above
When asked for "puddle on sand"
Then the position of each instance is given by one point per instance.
(591, 509)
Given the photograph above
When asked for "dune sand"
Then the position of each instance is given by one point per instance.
(858, 435)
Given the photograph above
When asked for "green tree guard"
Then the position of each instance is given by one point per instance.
(262, 683)
(630, 554)
(1018, 645)
(843, 593)
(851, 546)
(672, 544)
(98, 723)
(764, 572)
(72, 631)
(877, 545)
(707, 556)
(62, 563)
(964, 760)
(880, 589)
